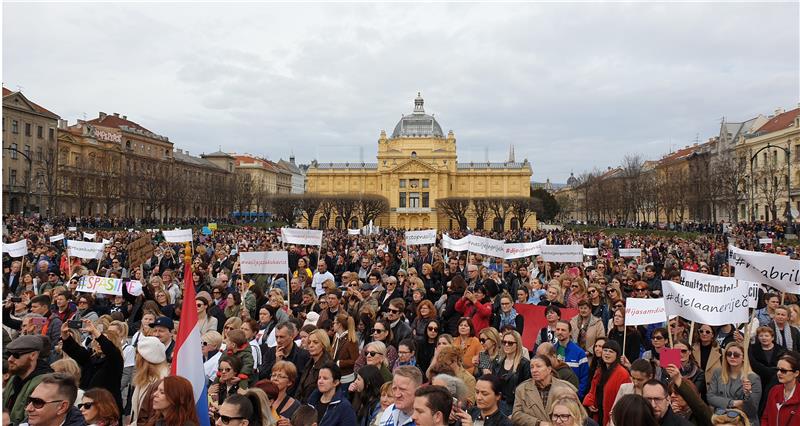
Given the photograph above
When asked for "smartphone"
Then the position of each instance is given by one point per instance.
(76, 324)
(16, 299)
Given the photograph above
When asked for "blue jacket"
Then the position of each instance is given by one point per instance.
(575, 357)
(339, 413)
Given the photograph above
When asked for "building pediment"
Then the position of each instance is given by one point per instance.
(414, 166)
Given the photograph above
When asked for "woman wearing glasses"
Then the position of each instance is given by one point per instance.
(690, 369)
(227, 382)
(248, 409)
(381, 332)
(734, 385)
(426, 344)
(508, 317)
(376, 357)
(783, 403)
(707, 351)
(512, 368)
(284, 375)
(490, 352)
(567, 411)
(98, 408)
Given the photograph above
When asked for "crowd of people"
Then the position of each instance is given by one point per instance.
(366, 330)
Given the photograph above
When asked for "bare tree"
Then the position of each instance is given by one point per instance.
(346, 208)
(501, 207)
(524, 207)
(47, 169)
(632, 165)
(480, 206)
(308, 204)
(771, 182)
(285, 208)
(372, 206)
(455, 208)
(243, 191)
(729, 176)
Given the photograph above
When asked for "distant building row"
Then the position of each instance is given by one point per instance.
(113, 166)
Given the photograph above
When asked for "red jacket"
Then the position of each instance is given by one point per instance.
(481, 313)
(619, 376)
(789, 414)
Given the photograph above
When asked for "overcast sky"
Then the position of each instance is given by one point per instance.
(572, 86)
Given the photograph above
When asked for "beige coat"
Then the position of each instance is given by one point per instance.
(714, 359)
(594, 331)
(529, 409)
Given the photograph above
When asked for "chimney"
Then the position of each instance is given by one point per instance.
(124, 117)
(186, 152)
(116, 114)
(778, 111)
(62, 124)
(102, 115)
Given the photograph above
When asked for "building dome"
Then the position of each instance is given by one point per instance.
(418, 124)
(572, 181)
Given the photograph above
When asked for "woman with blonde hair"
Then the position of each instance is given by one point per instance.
(554, 295)
(233, 323)
(491, 346)
(567, 411)
(577, 292)
(735, 385)
(512, 368)
(151, 367)
(129, 360)
(376, 357)
(319, 349)
(69, 366)
(345, 346)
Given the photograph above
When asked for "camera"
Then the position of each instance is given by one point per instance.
(76, 324)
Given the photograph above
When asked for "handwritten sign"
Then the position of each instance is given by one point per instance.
(85, 249)
(487, 246)
(427, 236)
(307, 237)
(264, 262)
(774, 270)
(518, 250)
(562, 253)
(644, 311)
(102, 285)
(140, 251)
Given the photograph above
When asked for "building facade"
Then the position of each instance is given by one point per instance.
(29, 146)
(416, 166)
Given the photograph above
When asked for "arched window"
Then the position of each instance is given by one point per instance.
(497, 225)
(413, 154)
(514, 224)
(323, 222)
(339, 223)
(353, 223)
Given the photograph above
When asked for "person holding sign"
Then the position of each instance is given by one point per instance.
(735, 385)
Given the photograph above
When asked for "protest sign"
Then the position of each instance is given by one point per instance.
(630, 252)
(774, 270)
(461, 244)
(307, 237)
(486, 246)
(72, 229)
(206, 231)
(212, 226)
(88, 236)
(518, 250)
(106, 242)
(55, 238)
(102, 285)
(427, 236)
(765, 241)
(264, 262)
(139, 251)
(18, 249)
(134, 287)
(353, 231)
(85, 249)
(752, 292)
(669, 357)
(644, 311)
(562, 253)
(594, 251)
(707, 299)
(178, 235)
(535, 320)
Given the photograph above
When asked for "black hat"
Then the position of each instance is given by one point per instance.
(163, 322)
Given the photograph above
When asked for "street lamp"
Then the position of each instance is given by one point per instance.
(789, 220)
(28, 181)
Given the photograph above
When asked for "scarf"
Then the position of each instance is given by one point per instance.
(787, 336)
(508, 318)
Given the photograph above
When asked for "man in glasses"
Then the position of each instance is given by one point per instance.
(400, 329)
(656, 394)
(26, 370)
(51, 403)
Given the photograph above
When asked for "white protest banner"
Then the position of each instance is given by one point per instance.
(461, 244)
(427, 236)
(72, 229)
(644, 311)
(307, 237)
(764, 241)
(264, 262)
(707, 299)
(18, 249)
(353, 231)
(774, 270)
(88, 236)
(752, 291)
(105, 241)
(486, 246)
(630, 252)
(134, 287)
(102, 285)
(85, 249)
(178, 235)
(55, 238)
(562, 253)
(594, 251)
(518, 250)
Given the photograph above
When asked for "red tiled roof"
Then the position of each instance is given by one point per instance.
(116, 122)
(779, 122)
(6, 92)
(678, 155)
(246, 159)
(40, 109)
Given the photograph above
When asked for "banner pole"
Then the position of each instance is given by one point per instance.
(783, 297)
(624, 339)
(691, 333)
(669, 332)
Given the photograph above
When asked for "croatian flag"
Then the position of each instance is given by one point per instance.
(188, 358)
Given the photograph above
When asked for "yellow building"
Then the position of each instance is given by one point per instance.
(416, 166)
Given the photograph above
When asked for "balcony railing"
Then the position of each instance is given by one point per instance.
(413, 210)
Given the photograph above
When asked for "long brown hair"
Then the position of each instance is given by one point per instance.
(103, 401)
(180, 395)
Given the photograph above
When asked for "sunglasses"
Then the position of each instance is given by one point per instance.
(86, 405)
(785, 371)
(729, 413)
(483, 340)
(39, 403)
(227, 419)
(18, 354)
(394, 311)
(377, 330)
(432, 329)
(508, 343)
(705, 331)
(733, 354)
(226, 370)
(373, 353)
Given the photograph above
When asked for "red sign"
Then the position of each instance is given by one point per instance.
(535, 321)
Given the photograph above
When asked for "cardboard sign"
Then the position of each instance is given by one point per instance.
(212, 226)
(562, 253)
(427, 236)
(140, 251)
(264, 262)
(206, 231)
(102, 285)
(18, 249)
(178, 235)
(306, 237)
(644, 311)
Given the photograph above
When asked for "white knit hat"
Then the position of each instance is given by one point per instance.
(151, 349)
(311, 318)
